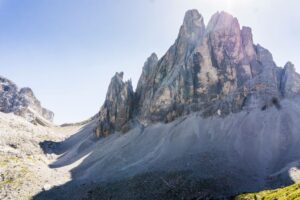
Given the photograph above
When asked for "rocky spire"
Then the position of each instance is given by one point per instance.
(193, 25)
(222, 20)
(117, 108)
(290, 81)
(145, 84)
(148, 69)
(265, 57)
(190, 34)
(247, 42)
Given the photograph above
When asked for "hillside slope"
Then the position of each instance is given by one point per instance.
(24, 167)
(245, 151)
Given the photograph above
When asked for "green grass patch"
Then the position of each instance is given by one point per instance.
(287, 193)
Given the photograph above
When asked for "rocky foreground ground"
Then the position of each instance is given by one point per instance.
(35, 164)
(24, 169)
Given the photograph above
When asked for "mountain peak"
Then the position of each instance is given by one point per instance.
(289, 66)
(26, 90)
(222, 20)
(153, 56)
(150, 63)
(119, 75)
(22, 102)
(193, 22)
(193, 18)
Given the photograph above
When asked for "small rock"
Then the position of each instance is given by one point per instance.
(2, 177)
(47, 187)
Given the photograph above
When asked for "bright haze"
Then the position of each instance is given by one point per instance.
(67, 51)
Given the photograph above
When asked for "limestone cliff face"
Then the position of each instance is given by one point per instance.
(214, 69)
(21, 102)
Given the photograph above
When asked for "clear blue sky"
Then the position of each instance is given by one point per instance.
(67, 50)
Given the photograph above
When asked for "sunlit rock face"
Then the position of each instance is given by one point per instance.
(214, 69)
(21, 102)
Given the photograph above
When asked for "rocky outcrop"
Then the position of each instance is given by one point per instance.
(145, 84)
(214, 69)
(117, 109)
(8, 93)
(22, 102)
(290, 81)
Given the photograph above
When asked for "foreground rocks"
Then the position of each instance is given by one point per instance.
(24, 169)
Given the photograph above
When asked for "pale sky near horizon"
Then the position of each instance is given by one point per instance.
(68, 50)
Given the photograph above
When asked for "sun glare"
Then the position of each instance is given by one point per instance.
(229, 5)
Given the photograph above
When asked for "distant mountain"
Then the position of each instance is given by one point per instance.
(215, 69)
(22, 102)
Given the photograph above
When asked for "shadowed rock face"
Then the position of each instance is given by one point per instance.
(118, 106)
(215, 69)
(21, 102)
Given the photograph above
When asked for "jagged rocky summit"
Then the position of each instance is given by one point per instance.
(214, 69)
(22, 102)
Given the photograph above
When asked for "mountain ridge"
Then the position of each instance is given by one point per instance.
(22, 102)
(215, 69)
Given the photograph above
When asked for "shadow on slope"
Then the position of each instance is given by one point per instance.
(147, 186)
(82, 141)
